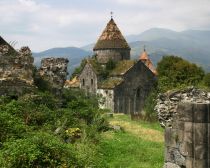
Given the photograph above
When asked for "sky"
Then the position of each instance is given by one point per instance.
(44, 24)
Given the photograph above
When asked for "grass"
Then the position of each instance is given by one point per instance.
(140, 145)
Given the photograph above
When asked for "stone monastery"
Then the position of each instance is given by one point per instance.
(122, 84)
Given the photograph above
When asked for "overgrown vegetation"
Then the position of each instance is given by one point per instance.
(175, 73)
(37, 131)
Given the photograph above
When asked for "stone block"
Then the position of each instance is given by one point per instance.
(188, 137)
(171, 165)
(189, 162)
(185, 112)
(201, 152)
(186, 149)
(201, 113)
(169, 156)
(188, 126)
(200, 131)
(200, 163)
(180, 125)
(180, 135)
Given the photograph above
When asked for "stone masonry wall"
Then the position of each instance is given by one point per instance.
(54, 71)
(16, 69)
(88, 79)
(187, 141)
(167, 103)
(129, 96)
(103, 56)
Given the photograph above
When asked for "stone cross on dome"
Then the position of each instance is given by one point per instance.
(111, 14)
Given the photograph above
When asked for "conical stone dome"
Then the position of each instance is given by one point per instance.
(111, 38)
(111, 45)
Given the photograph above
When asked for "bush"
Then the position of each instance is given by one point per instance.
(38, 150)
(175, 72)
(206, 80)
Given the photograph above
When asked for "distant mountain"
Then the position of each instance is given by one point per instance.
(193, 45)
(74, 54)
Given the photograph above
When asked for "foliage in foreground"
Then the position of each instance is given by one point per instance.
(34, 130)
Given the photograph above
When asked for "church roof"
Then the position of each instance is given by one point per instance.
(110, 83)
(146, 60)
(144, 56)
(111, 38)
(122, 67)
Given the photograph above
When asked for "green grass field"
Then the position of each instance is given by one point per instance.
(140, 145)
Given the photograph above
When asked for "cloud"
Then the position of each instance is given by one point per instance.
(49, 23)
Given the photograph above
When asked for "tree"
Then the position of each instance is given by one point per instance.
(176, 72)
(206, 80)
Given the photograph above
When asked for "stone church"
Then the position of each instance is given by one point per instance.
(121, 83)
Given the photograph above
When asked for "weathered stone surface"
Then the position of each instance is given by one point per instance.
(191, 148)
(16, 70)
(54, 71)
(167, 103)
(170, 165)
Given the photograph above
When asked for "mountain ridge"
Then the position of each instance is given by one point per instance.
(192, 45)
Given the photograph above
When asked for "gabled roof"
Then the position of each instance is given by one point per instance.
(97, 68)
(122, 67)
(146, 60)
(111, 38)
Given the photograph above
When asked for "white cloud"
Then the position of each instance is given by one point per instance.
(42, 24)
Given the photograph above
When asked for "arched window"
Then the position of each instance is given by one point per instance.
(83, 82)
(91, 81)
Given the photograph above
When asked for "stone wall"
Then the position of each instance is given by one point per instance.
(88, 79)
(167, 103)
(103, 56)
(54, 72)
(16, 70)
(187, 141)
(106, 99)
(130, 96)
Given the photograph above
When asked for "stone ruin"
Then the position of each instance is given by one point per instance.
(185, 114)
(54, 71)
(167, 103)
(16, 69)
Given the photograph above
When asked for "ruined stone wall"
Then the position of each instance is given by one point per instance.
(88, 79)
(185, 115)
(106, 99)
(54, 71)
(187, 141)
(16, 70)
(130, 96)
(103, 56)
(167, 103)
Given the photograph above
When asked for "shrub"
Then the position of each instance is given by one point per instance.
(38, 150)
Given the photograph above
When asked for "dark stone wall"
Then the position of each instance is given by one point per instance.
(103, 56)
(129, 97)
(88, 79)
(187, 142)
